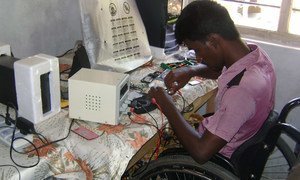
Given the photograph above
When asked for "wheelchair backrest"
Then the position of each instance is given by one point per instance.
(250, 158)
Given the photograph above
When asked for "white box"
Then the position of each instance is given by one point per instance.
(96, 95)
(30, 93)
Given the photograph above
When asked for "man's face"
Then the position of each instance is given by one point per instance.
(206, 54)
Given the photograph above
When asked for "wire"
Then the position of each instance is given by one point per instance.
(149, 115)
(52, 142)
(33, 145)
(184, 109)
(159, 131)
(139, 122)
(8, 165)
(64, 71)
(8, 119)
(188, 108)
(150, 158)
(59, 56)
(43, 137)
(158, 106)
(13, 140)
(11, 156)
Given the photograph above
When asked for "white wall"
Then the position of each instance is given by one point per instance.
(39, 26)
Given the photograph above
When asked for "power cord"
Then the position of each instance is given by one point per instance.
(14, 139)
(78, 44)
(40, 136)
(52, 142)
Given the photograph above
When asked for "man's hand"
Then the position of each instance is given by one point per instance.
(176, 79)
(162, 98)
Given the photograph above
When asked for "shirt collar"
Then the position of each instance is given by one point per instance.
(245, 61)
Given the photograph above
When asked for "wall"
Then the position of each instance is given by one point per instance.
(39, 26)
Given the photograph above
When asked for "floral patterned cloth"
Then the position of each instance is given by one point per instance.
(105, 157)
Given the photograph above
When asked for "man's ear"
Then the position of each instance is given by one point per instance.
(212, 40)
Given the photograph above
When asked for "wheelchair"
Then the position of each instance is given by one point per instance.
(264, 156)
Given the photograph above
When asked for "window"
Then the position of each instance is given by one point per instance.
(271, 20)
(295, 17)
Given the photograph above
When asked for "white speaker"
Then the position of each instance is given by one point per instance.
(37, 87)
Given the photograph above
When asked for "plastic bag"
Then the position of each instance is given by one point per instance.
(114, 34)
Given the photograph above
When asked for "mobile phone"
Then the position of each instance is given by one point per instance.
(85, 133)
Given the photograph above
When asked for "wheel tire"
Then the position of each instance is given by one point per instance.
(280, 162)
(182, 167)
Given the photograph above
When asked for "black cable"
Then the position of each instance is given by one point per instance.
(64, 71)
(45, 144)
(39, 135)
(12, 144)
(35, 148)
(149, 114)
(8, 165)
(151, 156)
(184, 101)
(58, 140)
(8, 119)
(64, 53)
(157, 147)
(142, 123)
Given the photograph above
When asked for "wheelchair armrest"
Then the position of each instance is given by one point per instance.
(287, 108)
(289, 130)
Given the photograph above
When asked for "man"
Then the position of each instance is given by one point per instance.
(246, 82)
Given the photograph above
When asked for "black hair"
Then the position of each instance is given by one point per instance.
(203, 17)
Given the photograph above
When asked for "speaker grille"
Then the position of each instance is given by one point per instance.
(92, 102)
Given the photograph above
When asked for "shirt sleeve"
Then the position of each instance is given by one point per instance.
(236, 107)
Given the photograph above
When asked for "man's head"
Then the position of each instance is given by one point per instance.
(206, 27)
(201, 18)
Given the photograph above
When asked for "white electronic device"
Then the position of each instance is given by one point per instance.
(38, 87)
(98, 96)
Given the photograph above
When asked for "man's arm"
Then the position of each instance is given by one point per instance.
(182, 75)
(203, 71)
(201, 148)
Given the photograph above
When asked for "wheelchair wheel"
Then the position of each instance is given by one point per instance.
(280, 161)
(182, 167)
